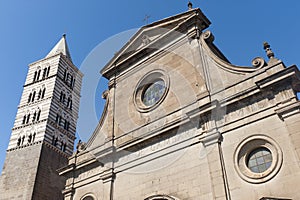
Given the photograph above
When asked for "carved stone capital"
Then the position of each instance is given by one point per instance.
(68, 192)
(194, 32)
(288, 110)
(212, 138)
(107, 176)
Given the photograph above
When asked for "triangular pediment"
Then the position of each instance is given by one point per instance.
(154, 30)
(195, 72)
(152, 33)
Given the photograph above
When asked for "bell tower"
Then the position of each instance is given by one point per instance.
(43, 135)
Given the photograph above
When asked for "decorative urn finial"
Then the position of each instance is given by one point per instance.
(268, 50)
(190, 5)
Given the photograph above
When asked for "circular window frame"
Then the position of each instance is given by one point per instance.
(89, 195)
(161, 196)
(243, 151)
(144, 83)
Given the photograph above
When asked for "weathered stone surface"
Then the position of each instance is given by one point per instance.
(195, 142)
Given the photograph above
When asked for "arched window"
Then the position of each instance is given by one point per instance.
(48, 71)
(68, 77)
(67, 125)
(24, 119)
(39, 94)
(29, 98)
(73, 83)
(33, 96)
(65, 75)
(35, 76)
(19, 141)
(30, 138)
(38, 75)
(23, 138)
(62, 97)
(27, 118)
(44, 73)
(61, 121)
(64, 147)
(57, 118)
(33, 137)
(69, 104)
(53, 139)
(38, 115)
(62, 144)
(43, 93)
(34, 117)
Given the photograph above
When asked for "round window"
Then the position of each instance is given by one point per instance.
(151, 90)
(88, 198)
(259, 160)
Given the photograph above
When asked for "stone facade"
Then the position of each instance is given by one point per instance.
(43, 135)
(180, 123)
(209, 129)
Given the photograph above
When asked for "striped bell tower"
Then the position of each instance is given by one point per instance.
(43, 135)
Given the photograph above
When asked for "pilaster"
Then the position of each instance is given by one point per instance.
(219, 187)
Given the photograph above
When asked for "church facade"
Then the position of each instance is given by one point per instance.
(182, 123)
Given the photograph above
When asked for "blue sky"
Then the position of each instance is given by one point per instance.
(29, 29)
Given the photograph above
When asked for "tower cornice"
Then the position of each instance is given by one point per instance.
(37, 143)
(70, 64)
(28, 125)
(39, 81)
